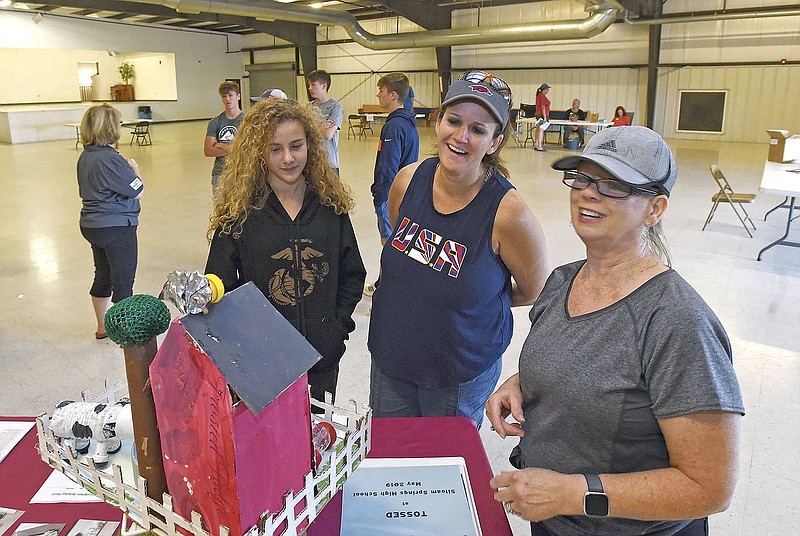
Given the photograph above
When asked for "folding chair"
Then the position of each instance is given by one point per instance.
(727, 195)
(516, 128)
(365, 126)
(354, 125)
(141, 133)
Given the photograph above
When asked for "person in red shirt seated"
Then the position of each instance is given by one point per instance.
(621, 118)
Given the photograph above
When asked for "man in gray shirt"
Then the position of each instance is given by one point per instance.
(222, 129)
(319, 83)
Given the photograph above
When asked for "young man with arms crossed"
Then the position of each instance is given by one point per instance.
(222, 129)
(319, 83)
(398, 147)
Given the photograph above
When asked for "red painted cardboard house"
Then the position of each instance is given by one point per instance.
(233, 410)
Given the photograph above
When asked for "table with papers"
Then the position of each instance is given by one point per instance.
(424, 437)
(22, 476)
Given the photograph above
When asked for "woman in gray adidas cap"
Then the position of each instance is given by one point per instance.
(626, 402)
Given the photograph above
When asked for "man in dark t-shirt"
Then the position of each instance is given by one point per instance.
(576, 114)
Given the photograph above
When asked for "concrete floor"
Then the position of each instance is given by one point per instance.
(48, 352)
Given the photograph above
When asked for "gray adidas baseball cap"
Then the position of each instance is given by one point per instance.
(634, 155)
(488, 96)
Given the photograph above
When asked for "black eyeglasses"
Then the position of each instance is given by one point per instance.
(497, 83)
(607, 187)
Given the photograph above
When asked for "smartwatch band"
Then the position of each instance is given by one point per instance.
(595, 501)
(594, 483)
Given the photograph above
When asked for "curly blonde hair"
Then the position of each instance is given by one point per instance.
(243, 184)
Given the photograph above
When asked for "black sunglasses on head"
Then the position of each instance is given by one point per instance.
(495, 82)
(607, 187)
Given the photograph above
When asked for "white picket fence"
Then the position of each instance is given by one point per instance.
(142, 514)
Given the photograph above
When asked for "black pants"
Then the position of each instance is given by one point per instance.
(115, 252)
(322, 381)
(698, 527)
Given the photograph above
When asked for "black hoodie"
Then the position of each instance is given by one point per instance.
(310, 269)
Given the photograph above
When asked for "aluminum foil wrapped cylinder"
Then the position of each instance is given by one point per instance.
(134, 324)
(191, 291)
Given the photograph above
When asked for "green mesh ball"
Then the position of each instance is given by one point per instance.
(137, 319)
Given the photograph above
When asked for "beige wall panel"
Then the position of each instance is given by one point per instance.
(600, 90)
(757, 100)
(357, 89)
(619, 44)
(281, 55)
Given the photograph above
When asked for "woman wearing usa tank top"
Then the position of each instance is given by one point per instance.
(465, 249)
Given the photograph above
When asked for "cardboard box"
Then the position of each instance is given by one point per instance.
(782, 147)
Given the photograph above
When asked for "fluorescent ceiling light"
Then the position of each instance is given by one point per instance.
(19, 5)
(5, 3)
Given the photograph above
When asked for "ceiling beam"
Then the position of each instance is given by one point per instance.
(428, 15)
(302, 34)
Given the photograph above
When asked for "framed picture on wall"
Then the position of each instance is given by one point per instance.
(702, 111)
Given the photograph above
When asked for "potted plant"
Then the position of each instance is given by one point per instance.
(124, 91)
(125, 70)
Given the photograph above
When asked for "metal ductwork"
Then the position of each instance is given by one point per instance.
(731, 15)
(595, 24)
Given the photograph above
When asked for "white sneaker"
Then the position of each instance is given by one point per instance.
(369, 290)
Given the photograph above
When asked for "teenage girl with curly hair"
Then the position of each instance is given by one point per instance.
(281, 220)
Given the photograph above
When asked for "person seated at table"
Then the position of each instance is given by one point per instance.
(621, 118)
(576, 114)
(465, 248)
(626, 386)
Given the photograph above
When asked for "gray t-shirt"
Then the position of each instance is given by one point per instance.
(107, 185)
(332, 110)
(594, 385)
(223, 130)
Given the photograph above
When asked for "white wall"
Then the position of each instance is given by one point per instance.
(202, 60)
(154, 75)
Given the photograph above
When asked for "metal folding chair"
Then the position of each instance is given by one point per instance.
(141, 133)
(355, 125)
(727, 195)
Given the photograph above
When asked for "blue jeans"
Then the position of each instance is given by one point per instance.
(390, 397)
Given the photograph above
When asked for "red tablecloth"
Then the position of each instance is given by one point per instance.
(424, 437)
(23, 472)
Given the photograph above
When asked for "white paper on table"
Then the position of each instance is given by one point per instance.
(11, 433)
(92, 527)
(8, 516)
(39, 529)
(58, 488)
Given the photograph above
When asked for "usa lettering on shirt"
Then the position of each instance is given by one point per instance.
(427, 247)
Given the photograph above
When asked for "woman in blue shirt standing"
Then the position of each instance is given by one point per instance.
(110, 187)
(465, 248)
